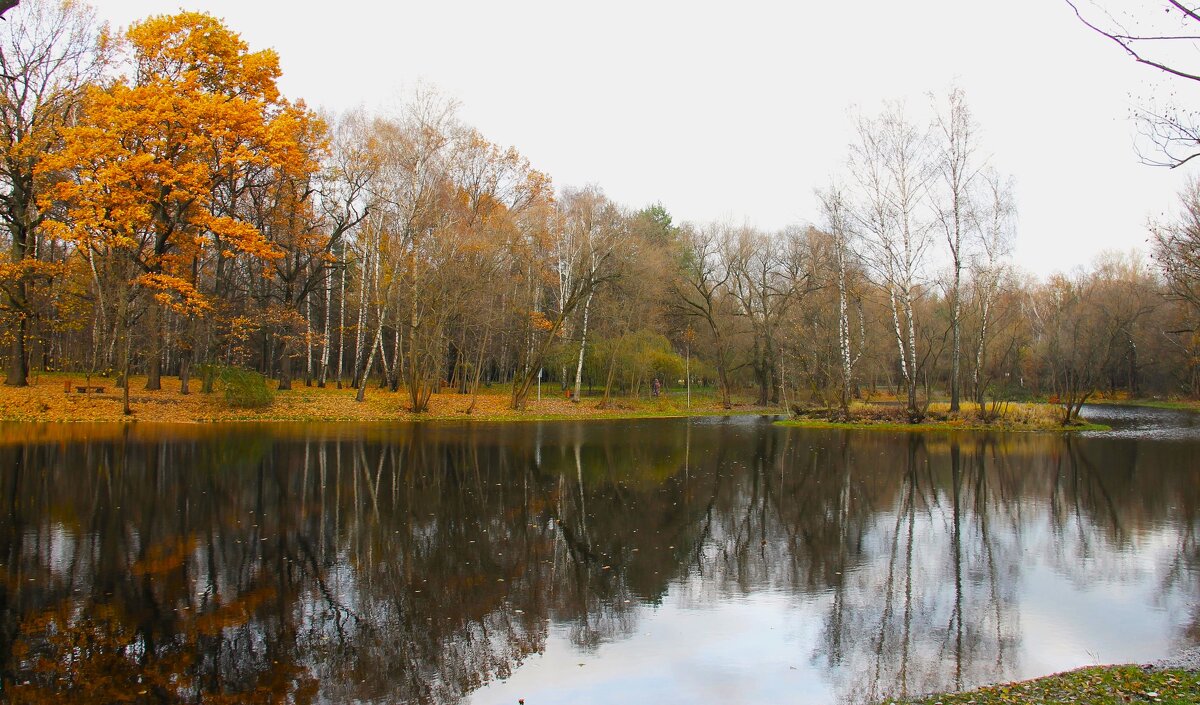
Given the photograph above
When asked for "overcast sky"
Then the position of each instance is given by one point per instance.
(739, 110)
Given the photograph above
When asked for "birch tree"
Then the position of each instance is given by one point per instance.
(957, 170)
(890, 162)
(839, 223)
(988, 265)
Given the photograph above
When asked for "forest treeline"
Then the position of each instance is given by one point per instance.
(166, 211)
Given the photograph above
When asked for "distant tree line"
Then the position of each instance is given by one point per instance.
(166, 211)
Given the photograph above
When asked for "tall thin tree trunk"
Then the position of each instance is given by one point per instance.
(360, 333)
(125, 376)
(956, 323)
(582, 344)
(308, 346)
(342, 322)
(981, 349)
(844, 330)
(912, 352)
(154, 355)
(376, 344)
(323, 373)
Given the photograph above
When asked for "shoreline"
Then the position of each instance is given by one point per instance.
(937, 426)
(52, 400)
(1174, 680)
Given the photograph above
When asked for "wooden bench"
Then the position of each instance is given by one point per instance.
(86, 389)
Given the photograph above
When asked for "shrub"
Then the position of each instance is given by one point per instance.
(245, 389)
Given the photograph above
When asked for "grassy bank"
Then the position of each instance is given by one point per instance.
(891, 417)
(48, 401)
(1101, 685)
(1176, 404)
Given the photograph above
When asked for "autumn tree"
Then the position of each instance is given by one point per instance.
(195, 115)
(581, 261)
(49, 51)
(586, 217)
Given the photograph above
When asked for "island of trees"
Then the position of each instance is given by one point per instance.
(169, 216)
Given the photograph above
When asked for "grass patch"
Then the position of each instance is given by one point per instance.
(1101, 685)
(892, 417)
(1172, 404)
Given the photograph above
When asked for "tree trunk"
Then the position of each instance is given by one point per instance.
(844, 331)
(18, 363)
(154, 356)
(125, 377)
(487, 333)
(981, 349)
(956, 323)
(582, 344)
(342, 322)
(285, 364)
(360, 333)
(376, 344)
(308, 346)
(185, 369)
(323, 372)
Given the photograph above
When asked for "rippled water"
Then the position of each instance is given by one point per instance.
(711, 561)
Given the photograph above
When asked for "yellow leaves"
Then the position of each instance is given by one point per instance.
(28, 268)
(177, 294)
(240, 235)
(539, 321)
(197, 116)
(197, 51)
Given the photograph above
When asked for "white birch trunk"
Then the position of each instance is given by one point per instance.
(582, 344)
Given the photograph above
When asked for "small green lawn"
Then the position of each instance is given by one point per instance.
(939, 426)
(1102, 685)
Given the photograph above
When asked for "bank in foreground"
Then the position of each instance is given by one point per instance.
(1100, 685)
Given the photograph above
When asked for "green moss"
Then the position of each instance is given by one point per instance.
(1103, 685)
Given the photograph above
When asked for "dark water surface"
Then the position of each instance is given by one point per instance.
(664, 561)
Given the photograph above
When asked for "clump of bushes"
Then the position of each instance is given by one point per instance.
(245, 389)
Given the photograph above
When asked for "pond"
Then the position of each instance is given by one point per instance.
(714, 560)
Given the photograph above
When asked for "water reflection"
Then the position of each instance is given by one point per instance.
(423, 563)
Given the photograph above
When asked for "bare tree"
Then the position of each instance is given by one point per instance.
(701, 285)
(890, 161)
(1164, 38)
(769, 273)
(840, 225)
(957, 167)
(1176, 247)
(994, 223)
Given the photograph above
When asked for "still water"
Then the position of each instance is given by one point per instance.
(667, 561)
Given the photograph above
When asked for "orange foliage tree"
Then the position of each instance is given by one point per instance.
(161, 157)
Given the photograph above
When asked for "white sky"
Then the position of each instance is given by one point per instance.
(739, 110)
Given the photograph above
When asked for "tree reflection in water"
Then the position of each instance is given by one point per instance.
(418, 563)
